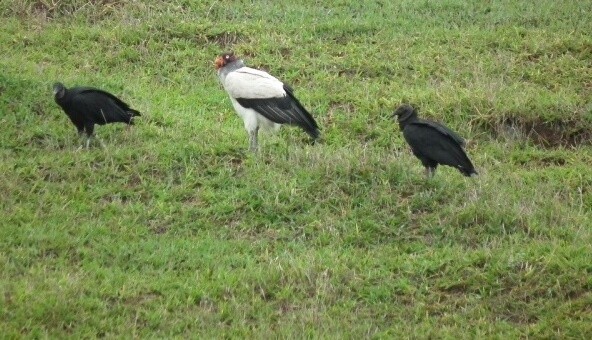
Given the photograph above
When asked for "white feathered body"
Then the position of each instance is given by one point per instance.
(247, 82)
(261, 100)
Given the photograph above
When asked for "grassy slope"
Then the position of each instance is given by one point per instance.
(176, 230)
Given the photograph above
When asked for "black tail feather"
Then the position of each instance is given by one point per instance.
(310, 125)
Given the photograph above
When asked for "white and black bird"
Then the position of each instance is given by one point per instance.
(87, 106)
(261, 100)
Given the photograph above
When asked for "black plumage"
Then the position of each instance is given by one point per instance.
(433, 143)
(87, 106)
(283, 110)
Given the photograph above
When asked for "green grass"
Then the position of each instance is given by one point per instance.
(176, 230)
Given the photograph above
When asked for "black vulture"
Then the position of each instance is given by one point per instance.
(87, 106)
(433, 143)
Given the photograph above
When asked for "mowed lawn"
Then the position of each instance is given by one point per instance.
(176, 230)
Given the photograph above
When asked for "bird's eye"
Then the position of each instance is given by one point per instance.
(226, 57)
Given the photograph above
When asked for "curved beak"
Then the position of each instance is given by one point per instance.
(219, 62)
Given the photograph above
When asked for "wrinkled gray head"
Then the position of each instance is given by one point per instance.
(405, 112)
(59, 90)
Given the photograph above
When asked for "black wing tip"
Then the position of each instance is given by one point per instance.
(133, 112)
(469, 173)
(310, 126)
(314, 134)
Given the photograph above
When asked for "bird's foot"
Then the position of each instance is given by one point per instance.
(429, 172)
(102, 144)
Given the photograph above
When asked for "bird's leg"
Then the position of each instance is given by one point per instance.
(90, 133)
(94, 137)
(253, 144)
(129, 124)
(100, 142)
(430, 172)
(80, 139)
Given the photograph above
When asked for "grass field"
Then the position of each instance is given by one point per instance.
(175, 229)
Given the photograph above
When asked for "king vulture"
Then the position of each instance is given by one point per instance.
(261, 100)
